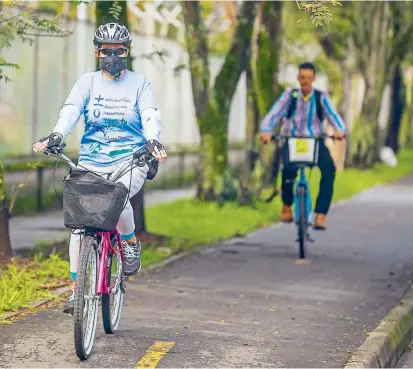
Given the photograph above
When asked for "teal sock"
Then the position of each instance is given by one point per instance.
(127, 237)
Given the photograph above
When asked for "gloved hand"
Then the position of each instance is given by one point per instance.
(53, 140)
(156, 149)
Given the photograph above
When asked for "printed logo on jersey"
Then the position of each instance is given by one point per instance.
(95, 147)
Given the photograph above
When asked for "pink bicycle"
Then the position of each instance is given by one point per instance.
(94, 204)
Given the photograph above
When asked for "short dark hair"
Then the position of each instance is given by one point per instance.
(307, 65)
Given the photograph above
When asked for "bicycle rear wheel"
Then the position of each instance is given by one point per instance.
(86, 301)
(302, 223)
(113, 301)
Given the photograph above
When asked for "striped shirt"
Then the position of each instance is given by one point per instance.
(304, 121)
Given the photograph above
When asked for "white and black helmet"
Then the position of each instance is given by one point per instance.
(112, 33)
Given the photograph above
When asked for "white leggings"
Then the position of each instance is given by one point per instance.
(126, 223)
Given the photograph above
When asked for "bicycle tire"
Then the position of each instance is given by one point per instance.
(302, 223)
(111, 321)
(84, 345)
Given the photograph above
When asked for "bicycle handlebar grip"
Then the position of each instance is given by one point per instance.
(140, 154)
(56, 150)
(143, 156)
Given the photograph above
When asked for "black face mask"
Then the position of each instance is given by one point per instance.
(113, 64)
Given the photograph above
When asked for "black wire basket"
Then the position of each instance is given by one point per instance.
(90, 201)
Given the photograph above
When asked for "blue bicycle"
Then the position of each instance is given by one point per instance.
(302, 152)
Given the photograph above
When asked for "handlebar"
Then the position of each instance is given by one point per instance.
(323, 137)
(140, 158)
(57, 152)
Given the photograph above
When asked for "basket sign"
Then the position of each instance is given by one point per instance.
(301, 149)
(301, 146)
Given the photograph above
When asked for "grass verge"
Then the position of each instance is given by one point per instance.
(22, 282)
(188, 223)
(204, 223)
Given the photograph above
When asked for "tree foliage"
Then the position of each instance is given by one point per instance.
(21, 23)
(319, 11)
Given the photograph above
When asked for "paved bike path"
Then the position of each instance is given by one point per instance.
(248, 304)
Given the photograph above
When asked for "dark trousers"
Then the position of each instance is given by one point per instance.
(328, 173)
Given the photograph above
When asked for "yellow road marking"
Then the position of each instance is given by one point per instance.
(302, 261)
(154, 354)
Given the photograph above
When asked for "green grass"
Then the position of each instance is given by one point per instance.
(189, 223)
(204, 223)
(21, 284)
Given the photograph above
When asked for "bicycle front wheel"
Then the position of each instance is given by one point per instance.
(113, 301)
(86, 301)
(302, 222)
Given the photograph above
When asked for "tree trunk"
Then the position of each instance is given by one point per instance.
(138, 206)
(366, 142)
(398, 96)
(262, 90)
(212, 106)
(345, 110)
(397, 107)
(102, 17)
(406, 131)
(214, 153)
(5, 246)
(246, 190)
(267, 64)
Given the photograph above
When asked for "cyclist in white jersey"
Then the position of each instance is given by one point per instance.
(121, 117)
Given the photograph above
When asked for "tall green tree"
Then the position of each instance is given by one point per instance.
(262, 85)
(212, 100)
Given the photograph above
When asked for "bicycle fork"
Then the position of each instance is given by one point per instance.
(303, 185)
(302, 182)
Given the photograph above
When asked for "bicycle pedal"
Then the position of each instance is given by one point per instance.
(312, 240)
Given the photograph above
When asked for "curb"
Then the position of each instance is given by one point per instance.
(385, 344)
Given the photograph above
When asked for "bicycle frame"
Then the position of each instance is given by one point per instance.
(302, 181)
(105, 247)
(105, 244)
